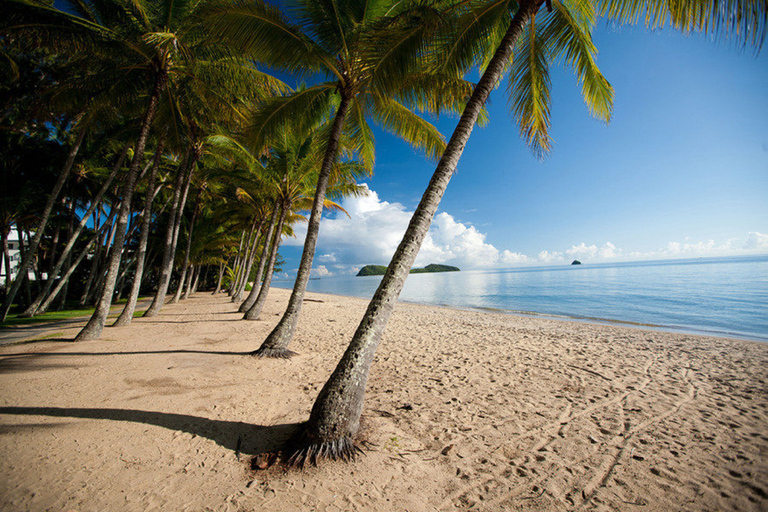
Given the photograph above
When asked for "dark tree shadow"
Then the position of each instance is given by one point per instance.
(242, 438)
(37, 361)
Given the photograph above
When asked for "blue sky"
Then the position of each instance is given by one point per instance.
(681, 171)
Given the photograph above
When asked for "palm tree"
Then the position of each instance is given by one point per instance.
(366, 50)
(530, 41)
(157, 45)
(293, 166)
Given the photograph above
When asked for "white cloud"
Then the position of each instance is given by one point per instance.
(756, 241)
(321, 271)
(550, 257)
(374, 228)
(607, 252)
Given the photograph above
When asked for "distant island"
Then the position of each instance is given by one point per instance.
(380, 270)
(576, 262)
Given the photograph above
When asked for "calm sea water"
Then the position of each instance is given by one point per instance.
(716, 296)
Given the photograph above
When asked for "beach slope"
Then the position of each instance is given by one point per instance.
(464, 410)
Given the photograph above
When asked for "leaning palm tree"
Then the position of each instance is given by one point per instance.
(365, 50)
(522, 38)
(158, 45)
(293, 166)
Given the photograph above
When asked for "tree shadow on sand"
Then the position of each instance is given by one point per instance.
(33, 361)
(241, 438)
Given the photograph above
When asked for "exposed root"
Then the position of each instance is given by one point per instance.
(299, 453)
(275, 353)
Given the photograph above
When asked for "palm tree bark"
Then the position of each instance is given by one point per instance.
(6, 256)
(95, 259)
(254, 293)
(335, 417)
(146, 220)
(255, 310)
(250, 253)
(62, 261)
(276, 344)
(236, 266)
(244, 268)
(95, 325)
(29, 255)
(263, 261)
(187, 253)
(172, 233)
(222, 266)
(71, 269)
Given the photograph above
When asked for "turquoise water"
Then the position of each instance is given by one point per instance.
(716, 296)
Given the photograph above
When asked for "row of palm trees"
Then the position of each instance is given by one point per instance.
(219, 151)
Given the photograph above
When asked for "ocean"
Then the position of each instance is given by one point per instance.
(713, 296)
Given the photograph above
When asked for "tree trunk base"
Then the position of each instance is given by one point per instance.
(122, 321)
(300, 450)
(274, 353)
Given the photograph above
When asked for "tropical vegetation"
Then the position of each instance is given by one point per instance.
(147, 145)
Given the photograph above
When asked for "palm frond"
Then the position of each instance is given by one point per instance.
(398, 120)
(529, 90)
(743, 21)
(568, 35)
(302, 111)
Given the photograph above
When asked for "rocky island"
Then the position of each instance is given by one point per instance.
(379, 270)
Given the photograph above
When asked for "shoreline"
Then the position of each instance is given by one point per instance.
(464, 409)
(569, 318)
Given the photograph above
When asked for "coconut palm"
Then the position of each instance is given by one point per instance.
(293, 166)
(523, 38)
(154, 45)
(366, 51)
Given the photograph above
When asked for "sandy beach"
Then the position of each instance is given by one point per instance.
(464, 410)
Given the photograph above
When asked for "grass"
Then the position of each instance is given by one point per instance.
(53, 316)
(50, 316)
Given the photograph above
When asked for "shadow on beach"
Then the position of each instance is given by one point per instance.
(241, 438)
(23, 361)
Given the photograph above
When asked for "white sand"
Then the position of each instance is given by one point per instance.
(508, 413)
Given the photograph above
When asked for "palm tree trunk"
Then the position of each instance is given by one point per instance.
(198, 271)
(95, 325)
(27, 287)
(71, 269)
(253, 237)
(236, 266)
(222, 266)
(127, 314)
(188, 285)
(255, 310)
(67, 259)
(248, 302)
(96, 255)
(172, 233)
(276, 344)
(29, 255)
(6, 256)
(187, 253)
(62, 261)
(254, 293)
(335, 417)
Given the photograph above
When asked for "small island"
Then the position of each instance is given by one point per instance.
(576, 262)
(379, 270)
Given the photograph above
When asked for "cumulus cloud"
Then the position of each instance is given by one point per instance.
(756, 241)
(321, 271)
(374, 228)
(550, 257)
(607, 252)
